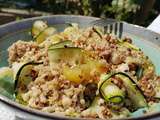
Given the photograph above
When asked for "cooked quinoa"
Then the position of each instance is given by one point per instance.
(51, 90)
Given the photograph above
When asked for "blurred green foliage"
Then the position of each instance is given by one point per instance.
(118, 9)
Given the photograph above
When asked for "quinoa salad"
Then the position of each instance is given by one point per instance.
(82, 73)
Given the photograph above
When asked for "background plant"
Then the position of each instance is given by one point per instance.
(134, 11)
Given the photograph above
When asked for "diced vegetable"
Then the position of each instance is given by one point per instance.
(133, 91)
(63, 44)
(7, 82)
(42, 36)
(37, 27)
(83, 72)
(74, 74)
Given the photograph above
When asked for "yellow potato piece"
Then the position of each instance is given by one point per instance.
(84, 72)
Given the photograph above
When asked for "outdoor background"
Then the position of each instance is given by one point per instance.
(141, 12)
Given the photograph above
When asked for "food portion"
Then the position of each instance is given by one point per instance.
(80, 73)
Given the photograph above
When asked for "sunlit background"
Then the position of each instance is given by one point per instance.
(141, 12)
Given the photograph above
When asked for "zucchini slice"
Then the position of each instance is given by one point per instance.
(63, 44)
(133, 91)
(45, 34)
(71, 55)
(71, 32)
(37, 27)
(56, 38)
(73, 28)
(22, 74)
(7, 82)
(112, 93)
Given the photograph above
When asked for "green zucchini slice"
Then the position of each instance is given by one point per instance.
(7, 82)
(70, 55)
(133, 91)
(37, 27)
(22, 74)
(44, 34)
(112, 93)
(55, 38)
(63, 44)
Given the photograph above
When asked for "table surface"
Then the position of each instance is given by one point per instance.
(6, 114)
